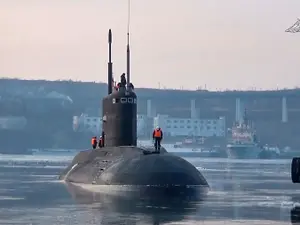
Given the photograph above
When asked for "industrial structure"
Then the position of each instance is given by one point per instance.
(202, 121)
(276, 114)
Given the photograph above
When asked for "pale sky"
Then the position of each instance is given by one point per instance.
(223, 44)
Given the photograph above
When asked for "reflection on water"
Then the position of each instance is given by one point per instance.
(155, 210)
(248, 192)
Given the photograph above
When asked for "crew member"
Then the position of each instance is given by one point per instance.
(131, 86)
(100, 144)
(118, 86)
(94, 142)
(123, 80)
(103, 138)
(157, 137)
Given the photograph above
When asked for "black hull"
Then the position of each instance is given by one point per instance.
(129, 166)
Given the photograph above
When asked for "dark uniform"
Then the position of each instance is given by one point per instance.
(103, 138)
(157, 137)
(123, 80)
(100, 143)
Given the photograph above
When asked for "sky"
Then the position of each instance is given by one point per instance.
(217, 44)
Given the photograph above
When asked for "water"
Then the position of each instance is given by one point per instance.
(242, 192)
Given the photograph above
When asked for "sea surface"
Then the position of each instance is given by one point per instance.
(242, 192)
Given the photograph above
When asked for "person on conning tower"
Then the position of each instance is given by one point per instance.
(123, 82)
(157, 137)
(131, 86)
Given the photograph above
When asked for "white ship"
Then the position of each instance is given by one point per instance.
(243, 143)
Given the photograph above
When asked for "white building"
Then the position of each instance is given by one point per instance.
(94, 124)
(190, 127)
(141, 124)
(87, 123)
(12, 122)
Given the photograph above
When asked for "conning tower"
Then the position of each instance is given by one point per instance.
(119, 107)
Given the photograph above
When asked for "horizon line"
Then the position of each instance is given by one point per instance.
(163, 89)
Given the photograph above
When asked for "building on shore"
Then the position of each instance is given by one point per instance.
(176, 127)
(85, 123)
(172, 127)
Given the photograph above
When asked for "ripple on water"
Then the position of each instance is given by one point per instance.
(33, 158)
(10, 198)
(235, 184)
(230, 222)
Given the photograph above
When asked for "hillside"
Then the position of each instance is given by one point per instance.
(88, 95)
(50, 105)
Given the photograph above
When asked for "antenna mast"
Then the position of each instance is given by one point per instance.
(128, 47)
(109, 69)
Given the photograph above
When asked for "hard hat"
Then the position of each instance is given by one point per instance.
(157, 127)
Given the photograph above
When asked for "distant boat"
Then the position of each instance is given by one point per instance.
(193, 143)
(243, 143)
(200, 152)
(54, 152)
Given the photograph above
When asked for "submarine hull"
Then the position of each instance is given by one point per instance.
(130, 166)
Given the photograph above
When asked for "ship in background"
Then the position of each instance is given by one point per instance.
(242, 142)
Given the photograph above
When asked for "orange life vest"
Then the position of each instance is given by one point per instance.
(157, 133)
(94, 141)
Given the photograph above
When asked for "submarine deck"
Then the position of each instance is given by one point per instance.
(128, 165)
(107, 155)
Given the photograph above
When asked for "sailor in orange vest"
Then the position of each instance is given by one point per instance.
(94, 142)
(157, 137)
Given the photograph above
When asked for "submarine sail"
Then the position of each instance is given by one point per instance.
(119, 109)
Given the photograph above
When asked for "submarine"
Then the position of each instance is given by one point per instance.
(120, 161)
